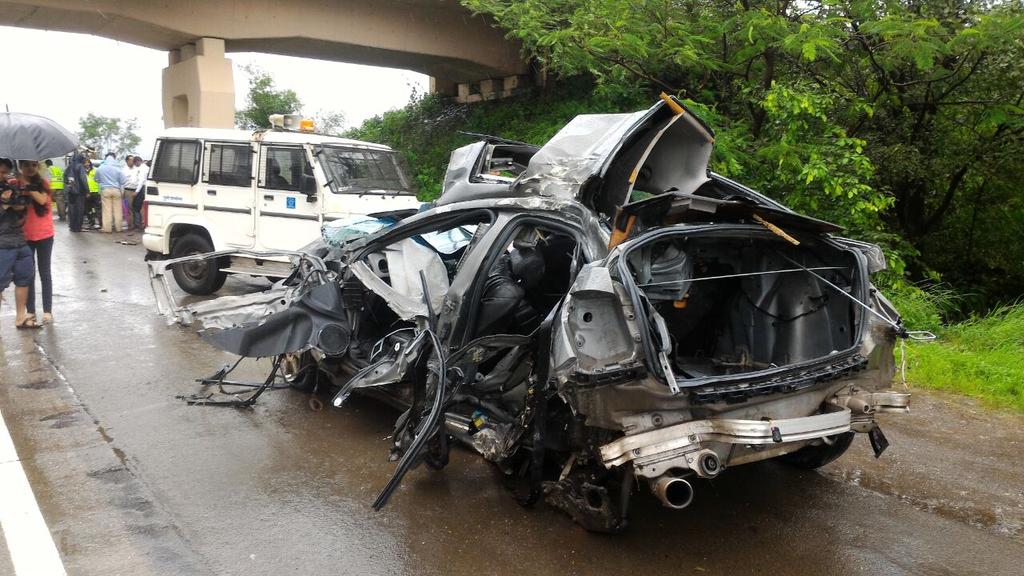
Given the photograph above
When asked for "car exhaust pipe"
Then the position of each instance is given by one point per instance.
(673, 492)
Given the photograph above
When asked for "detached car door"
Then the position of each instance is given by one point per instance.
(289, 215)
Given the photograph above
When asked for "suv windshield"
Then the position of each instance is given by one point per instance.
(351, 170)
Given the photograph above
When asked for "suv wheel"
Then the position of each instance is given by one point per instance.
(200, 278)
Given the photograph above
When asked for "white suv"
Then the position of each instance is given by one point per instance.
(268, 190)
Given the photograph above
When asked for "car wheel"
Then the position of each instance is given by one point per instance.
(816, 456)
(199, 278)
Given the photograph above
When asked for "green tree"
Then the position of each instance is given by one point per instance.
(264, 99)
(900, 119)
(108, 134)
(329, 122)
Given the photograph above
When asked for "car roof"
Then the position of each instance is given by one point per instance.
(278, 136)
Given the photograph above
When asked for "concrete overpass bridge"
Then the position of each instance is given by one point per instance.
(464, 55)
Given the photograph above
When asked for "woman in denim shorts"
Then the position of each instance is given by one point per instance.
(16, 263)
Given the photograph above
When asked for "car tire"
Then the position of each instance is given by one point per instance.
(812, 457)
(200, 278)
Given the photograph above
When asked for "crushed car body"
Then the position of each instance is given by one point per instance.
(588, 314)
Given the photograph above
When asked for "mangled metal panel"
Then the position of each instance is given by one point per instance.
(577, 152)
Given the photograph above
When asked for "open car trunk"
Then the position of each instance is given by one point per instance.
(735, 302)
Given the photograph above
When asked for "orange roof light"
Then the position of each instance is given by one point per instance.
(306, 125)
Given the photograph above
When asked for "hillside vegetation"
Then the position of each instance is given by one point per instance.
(981, 357)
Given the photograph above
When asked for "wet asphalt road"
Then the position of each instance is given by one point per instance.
(132, 481)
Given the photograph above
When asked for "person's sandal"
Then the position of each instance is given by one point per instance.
(47, 318)
(29, 323)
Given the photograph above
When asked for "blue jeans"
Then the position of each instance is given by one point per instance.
(43, 250)
(16, 264)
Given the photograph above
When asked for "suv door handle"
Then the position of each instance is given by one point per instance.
(211, 192)
(268, 196)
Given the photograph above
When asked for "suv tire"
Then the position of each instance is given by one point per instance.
(199, 278)
(812, 457)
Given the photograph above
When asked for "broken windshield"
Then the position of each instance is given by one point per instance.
(361, 171)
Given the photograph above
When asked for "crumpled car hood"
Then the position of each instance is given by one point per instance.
(590, 143)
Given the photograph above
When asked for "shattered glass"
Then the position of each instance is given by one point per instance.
(344, 230)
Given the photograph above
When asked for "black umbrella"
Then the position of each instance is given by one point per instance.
(32, 137)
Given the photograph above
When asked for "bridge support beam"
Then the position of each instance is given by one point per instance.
(198, 87)
(490, 89)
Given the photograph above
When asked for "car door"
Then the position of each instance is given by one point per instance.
(288, 217)
(227, 191)
(401, 267)
(171, 188)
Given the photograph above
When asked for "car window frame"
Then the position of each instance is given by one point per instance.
(407, 230)
(207, 171)
(371, 281)
(470, 305)
(159, 154)
(263, 181)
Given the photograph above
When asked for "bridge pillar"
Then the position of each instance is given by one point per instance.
(198, 89)
(490, 89)
(443, 86)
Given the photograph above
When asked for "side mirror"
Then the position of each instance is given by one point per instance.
(308, 187)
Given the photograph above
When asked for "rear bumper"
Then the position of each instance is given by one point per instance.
(655, 452)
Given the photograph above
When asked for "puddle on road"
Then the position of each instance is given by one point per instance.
(992, 518)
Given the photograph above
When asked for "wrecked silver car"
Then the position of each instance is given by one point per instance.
(590, 315)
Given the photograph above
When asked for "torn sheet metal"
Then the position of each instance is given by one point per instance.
(577, 152)
(167, 303)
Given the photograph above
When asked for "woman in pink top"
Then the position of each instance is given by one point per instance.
(38, 233)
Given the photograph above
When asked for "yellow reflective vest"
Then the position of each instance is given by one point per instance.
(94, 187)
(56, 178)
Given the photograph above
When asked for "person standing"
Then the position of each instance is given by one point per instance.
(15, 255)
(110, 179)
(131, 183)
(76, 186)
(39, 234)
(141, 175)
(56, 187)
(92, 201)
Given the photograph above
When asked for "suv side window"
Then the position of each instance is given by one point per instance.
(285, 168)
(230, 164)
(177, 162)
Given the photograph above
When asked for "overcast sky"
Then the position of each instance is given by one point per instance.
(123, 80)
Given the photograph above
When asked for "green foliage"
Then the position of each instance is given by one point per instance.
(329, 122)
(980, 358)
(264, 99)
(108, 134)
(924, 308)
(900, 120)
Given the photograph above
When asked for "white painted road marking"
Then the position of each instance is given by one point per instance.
(28, 539)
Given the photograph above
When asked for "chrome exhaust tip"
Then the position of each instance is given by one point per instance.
(674, 493)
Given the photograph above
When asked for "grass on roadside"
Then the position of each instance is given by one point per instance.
(982, 357)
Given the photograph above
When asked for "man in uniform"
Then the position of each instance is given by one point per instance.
(57, 187)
